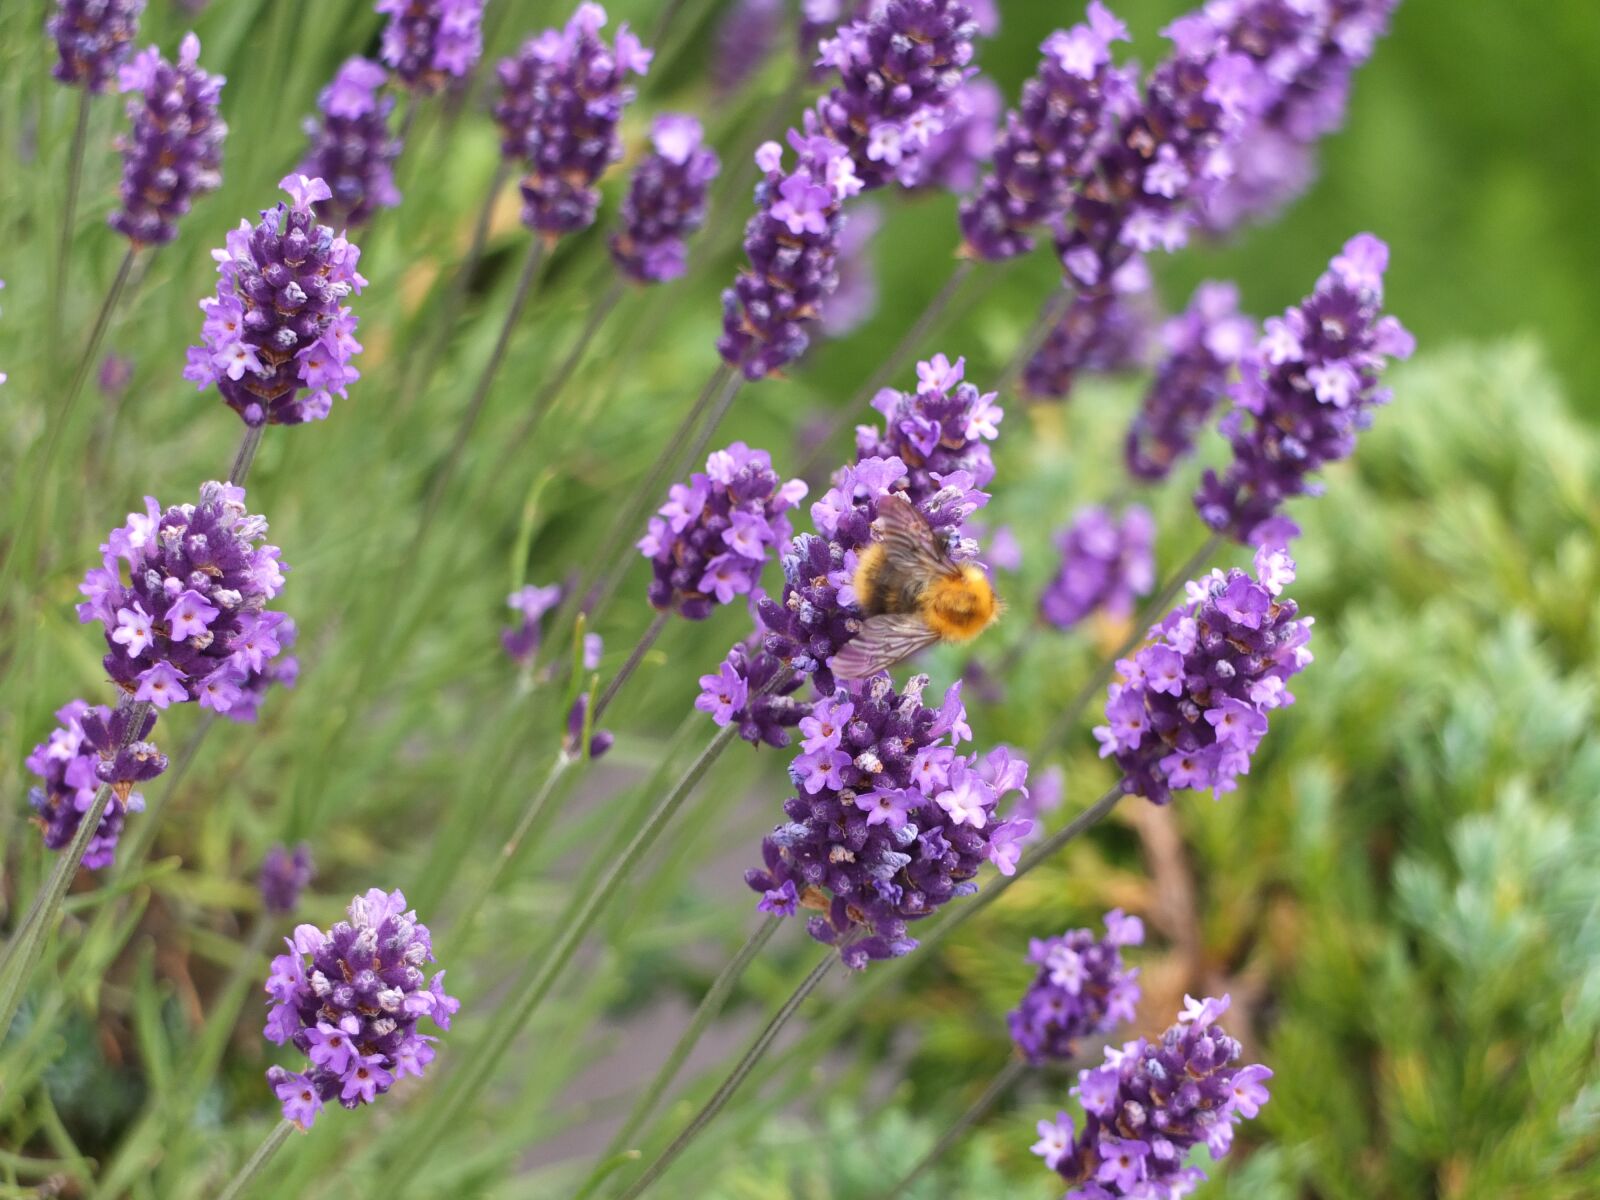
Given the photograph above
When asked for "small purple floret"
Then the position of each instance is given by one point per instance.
(1106, 565)
(352, 150)
(428, 43)
(284, 875)
(666, 201)
(1082, 988)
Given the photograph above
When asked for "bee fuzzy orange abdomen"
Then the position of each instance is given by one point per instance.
(960, 607)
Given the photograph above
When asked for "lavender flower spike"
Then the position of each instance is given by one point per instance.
(1201, 348)
(531, 602)
(173, 155)
(1106, 565)
(792, 243)
(1104, 329)
(1149, 1105)
(284, 875)
(94, 747)
(888, 822)
(1082, 989)
(666, 201)
(350, 1000)
(711, 539)
(738, 694)
(1304, 392)
(901, 67)
(352, 150)
(1067, 116)
(1192, 705)
(561, 99)
(278, 337)
(191, 623)
(429, 42)
(744, 39)
(93, 39)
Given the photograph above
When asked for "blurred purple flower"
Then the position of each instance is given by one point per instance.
(666, 201)
(93, 39)
(284, 875)
(352, 150)
(1106, 565)
(955, 156)
(1200, 350)
(1082, 988)
(522, 640)
(744, 40)
(173, 154)
(855, 298)
(430, 42)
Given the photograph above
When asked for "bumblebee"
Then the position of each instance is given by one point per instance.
(913, 594)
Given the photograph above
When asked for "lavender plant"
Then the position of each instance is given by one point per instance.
(428, 43)
(352, 150)
(93, 39)
(1107, 564)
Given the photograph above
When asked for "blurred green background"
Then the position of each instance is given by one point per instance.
(1400, 896)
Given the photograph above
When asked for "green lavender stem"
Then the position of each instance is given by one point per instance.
(999, 1086)
(539, 976)
(736, 1077)
(469, 418)
(264, 1153)
(547, 395)
(69, 213)
(643, 647)
(710, 1006)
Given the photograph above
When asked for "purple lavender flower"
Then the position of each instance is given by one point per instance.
(820, 19)
(1052, 141)
(93, 39)
(1304, 392)
(1311, 51)
(888, 821)
(116, 373)
(1149, 1104)
(792, 243)
(714, 534)
(743, 692)
(522, 640)
(94, 747)
(284, 671)
(173, 155)
(1106, 565)
(1101, 331)
(1172, 150)
(278, 338)
(1200, 350)
(1192, 705)
(352, 150)
(744, 40)
(939, 463)
(284, 875)
(666, 201)
(955, 156)
(1082, 989)
(855, 298)
(350, 1000)
(191, 623)
(429, 42)
(562, 97)
(901, 67)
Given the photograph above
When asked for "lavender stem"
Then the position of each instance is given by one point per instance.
(245, 456)
(69, 213)
(547, 395)
(417, 374)
(469, 419)
(264, 1153)
(736, 1077)
(710, 1006)
(998, 1086)
(634, 659)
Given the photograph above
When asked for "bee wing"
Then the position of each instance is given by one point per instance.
(883, 641)
(909, 545)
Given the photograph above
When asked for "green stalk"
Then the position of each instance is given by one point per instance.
(710, 1006)
(741, 1070)
(264, 1153)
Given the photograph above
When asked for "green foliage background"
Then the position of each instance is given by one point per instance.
(1400, 897)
